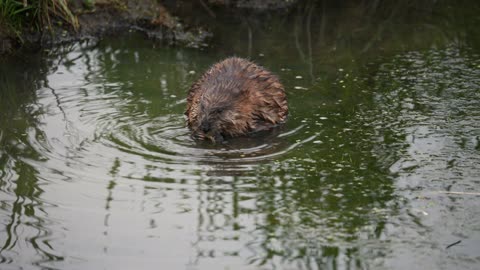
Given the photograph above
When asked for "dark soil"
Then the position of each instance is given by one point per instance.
(108, 17)
(186, 27)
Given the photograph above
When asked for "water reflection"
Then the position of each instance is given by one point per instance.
(98, 168)
(430, 139)
(23, 216)
(110, 153)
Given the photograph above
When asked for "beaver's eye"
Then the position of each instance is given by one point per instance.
(218, 110)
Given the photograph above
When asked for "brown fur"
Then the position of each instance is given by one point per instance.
(233, 98)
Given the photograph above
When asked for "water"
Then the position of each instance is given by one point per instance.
(377, 167)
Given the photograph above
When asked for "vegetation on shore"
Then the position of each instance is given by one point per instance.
(36, 23)
(16, 15)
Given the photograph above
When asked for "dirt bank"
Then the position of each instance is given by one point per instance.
(171, 22)
(106, 17)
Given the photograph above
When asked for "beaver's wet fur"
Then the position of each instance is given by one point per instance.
(233, 98)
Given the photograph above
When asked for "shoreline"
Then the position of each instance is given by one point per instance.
(186, 28)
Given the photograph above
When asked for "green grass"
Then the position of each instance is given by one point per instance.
(11, 15)
(47, 9)
(16, 15)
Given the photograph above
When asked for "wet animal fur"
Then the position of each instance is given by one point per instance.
(233, 98)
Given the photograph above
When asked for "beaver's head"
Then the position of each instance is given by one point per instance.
(219, 116)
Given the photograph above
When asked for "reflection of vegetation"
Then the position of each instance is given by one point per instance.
(427, 99)
(18, 179)
(313, 205)
(161, 77)
(330, 31)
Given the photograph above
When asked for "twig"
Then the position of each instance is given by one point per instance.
(453, 244)
(458, 193)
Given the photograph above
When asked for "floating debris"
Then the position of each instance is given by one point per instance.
(453, 244)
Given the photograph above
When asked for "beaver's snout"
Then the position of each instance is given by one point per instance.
(208, 130)
(233, 98)
(205, 126)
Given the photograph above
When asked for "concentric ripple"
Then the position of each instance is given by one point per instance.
(98, 122)
(165, 138)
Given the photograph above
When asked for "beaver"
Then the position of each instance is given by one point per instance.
(235, 97)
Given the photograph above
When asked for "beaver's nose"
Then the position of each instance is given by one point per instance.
(205, 127)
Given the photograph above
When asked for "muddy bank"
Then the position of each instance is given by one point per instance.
(106, 17)
(182, 23)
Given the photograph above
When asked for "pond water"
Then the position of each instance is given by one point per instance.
(377, 167)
